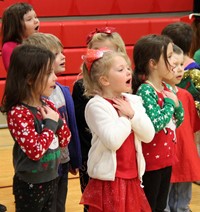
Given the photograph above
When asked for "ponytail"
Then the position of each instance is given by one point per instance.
(137, 80)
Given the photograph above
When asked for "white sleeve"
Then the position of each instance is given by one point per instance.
(141, 123)
(105, 123)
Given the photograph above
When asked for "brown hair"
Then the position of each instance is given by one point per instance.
(28, 66)
(44, 40)
(146, 48)
(13, 26)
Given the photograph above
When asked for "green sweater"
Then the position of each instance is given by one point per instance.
(160, 116)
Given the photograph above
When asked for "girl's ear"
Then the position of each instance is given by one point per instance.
(152, 64)
(103, 80)
(29, 81)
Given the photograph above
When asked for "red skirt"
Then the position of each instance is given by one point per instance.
(121, 195)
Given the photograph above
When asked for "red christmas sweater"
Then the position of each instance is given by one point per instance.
(36, 151)
(159, 153)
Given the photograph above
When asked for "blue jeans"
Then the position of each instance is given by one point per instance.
(179, 197)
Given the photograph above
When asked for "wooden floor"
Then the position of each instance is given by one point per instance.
(6, 174)
(74, 194)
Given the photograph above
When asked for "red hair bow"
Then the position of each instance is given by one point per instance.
(93, 55)
(106, 30)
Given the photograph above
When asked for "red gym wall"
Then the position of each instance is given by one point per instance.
(72, 20)
(47, 8)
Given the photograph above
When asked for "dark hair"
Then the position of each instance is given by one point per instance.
(196, 36)
(27, 70)
(13, 26)
(196, 8)
(146, 48)
(181, 34)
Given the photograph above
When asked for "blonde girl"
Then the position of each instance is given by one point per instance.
(98, 38)
(118, 123)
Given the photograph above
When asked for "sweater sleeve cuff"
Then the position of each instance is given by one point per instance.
(179, 108)
(60, 123)
(51, 124)
(169, 101)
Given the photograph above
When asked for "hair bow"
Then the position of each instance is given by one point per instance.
(93, 55)
(106, 30)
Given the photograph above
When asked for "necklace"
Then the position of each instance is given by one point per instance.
(159, 90)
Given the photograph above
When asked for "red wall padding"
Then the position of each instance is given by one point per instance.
(68, 80)
(47, 8)
(2, 86)
(73, 36)
(2, 69)
(65, 80)
(73, 33)
(73, 61)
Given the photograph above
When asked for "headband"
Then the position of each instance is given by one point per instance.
(93, 55)
(106, 30)
(194, 15)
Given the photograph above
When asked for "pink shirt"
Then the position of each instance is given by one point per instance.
(7, 50)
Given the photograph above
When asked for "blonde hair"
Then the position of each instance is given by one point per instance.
(44, 40)
(99, 68)
(114, 37)
(177, 49)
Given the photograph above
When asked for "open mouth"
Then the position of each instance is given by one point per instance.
(53, 87)
(62, 65)
(179, 77)
(37, 28)
(128, 81)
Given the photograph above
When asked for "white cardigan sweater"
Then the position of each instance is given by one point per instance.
(109, 131)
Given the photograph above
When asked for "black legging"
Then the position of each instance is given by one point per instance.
(156, 186)
(84, 179)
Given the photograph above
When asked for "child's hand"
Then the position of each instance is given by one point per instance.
(124, 107)
(49, 113)
(172, 96)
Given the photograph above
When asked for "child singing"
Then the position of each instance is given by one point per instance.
(118, 123)
(37, 130)
(153, 59)
(18, 22)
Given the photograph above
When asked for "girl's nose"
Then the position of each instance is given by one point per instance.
(37, 20)
(63, 56)
(180, 68)
(129, 71)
